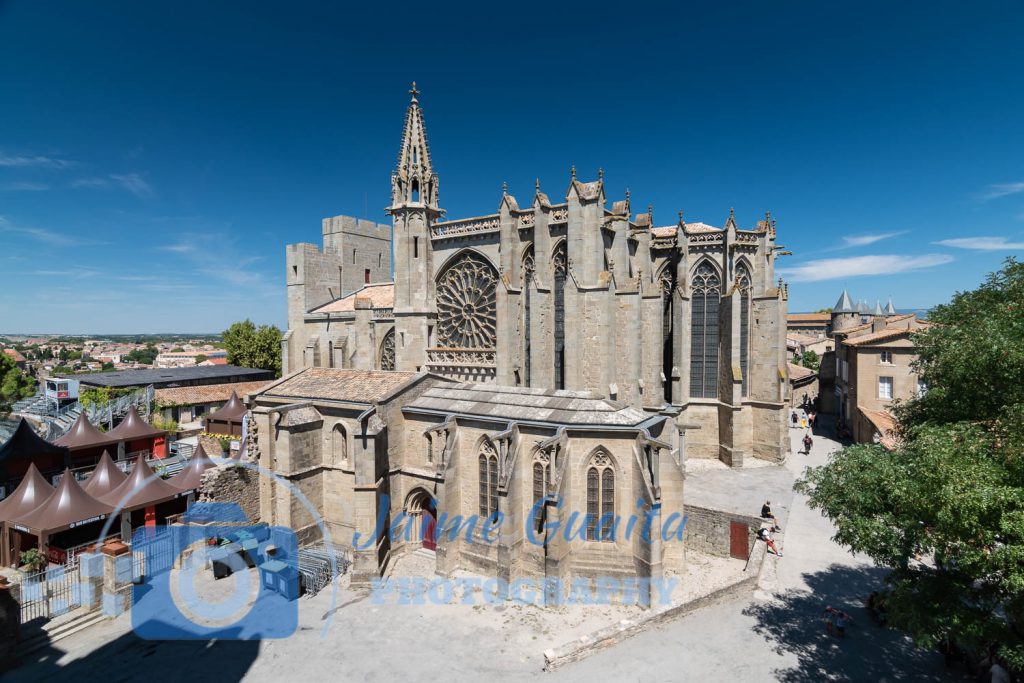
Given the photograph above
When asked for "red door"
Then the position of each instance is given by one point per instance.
(739, 540)
(429, 524)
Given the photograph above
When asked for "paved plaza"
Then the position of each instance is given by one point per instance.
(776, 634)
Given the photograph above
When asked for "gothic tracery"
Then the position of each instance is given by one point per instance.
(466, 304)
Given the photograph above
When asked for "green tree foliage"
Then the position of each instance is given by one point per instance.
(810, 359)
(952, 493)
(200, 358)
(14, 384)
(146, 355)
(254, 347)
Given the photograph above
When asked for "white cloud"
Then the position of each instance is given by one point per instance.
(23, 186)
(48, 236)
(20, 161)
(132, 182)
(1002, 190)
(880, 264)
(864, 240)
(982, 244)
(178, 248)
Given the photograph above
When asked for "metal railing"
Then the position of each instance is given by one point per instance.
(51, 592)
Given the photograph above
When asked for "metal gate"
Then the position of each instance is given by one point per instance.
(50, 593)
(152, 556)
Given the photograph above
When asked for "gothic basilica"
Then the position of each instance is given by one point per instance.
(562, 349)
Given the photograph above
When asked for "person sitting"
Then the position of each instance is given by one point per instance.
(766, 513)
(766, 536)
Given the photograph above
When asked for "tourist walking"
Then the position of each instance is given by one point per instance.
(808, 442)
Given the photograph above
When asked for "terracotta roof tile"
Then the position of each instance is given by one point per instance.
(665, 231)
(356, 386)
(15, 355)
(809, 317)
(798, 371)
(880, 336)
(211, 393)
(380, 295)
(700, 227)
(885, 424)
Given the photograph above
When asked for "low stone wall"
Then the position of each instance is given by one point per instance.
(598, 640)
(232, 484)
(708, 531)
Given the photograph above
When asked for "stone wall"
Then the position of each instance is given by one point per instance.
(233, 484)
(708, 531)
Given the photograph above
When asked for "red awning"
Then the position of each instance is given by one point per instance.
(67, 507)
(30, 494)
(134, 427)
(105, 478)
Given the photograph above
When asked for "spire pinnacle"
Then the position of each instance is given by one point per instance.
(413, 91)
(573, 171)
(681, 221)
(627, 194)
(600, 173)
(536, 184)
(504, 187)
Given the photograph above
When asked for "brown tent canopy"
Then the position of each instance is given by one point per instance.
(25, 444)
(30, 494)
(67, 507)
(134, 427)
(84, 435)
(189, 478)
(233, 411)
(141, 489)
(105, 478)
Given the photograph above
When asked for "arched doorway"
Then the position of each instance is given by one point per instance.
(421, 508)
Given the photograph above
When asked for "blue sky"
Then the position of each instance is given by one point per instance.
(156, 157)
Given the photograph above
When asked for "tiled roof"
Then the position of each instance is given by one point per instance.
(885, 335)
(534, 405)
(803, 338)
(335, 384)
(798, 371)
(809, 317)
(210, 393)
(885, 424)
(15, 355)
(380, 296)
(700, 227)
(665, 231)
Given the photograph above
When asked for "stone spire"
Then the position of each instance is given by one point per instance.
(413, 180)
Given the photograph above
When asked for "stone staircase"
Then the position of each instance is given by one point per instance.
(39, 637)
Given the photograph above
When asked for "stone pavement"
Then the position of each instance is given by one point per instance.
(776, 635)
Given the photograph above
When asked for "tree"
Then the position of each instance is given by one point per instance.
(810, 359)
(14, 384)
(146, 355)
(254, 347)
(824, 310)
(200, 358)
(952, 492)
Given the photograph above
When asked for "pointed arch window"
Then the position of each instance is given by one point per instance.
(387, 351)
(705, 296)
(600, 498)
(488, 463)
(529, 266)
(339, 445)
(667, 281)
(743, 286)
(559, 263)
(540, 477)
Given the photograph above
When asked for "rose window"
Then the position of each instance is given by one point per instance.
(466, 305)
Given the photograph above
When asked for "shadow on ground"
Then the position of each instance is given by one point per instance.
(130, 658)
(794, 623)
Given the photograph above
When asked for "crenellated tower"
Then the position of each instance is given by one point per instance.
(414, 208)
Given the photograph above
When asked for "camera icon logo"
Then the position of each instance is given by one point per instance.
(215, 576)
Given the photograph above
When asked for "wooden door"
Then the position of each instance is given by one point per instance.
(429, 525)
(739, 534)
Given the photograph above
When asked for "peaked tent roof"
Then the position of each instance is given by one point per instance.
(68, 506)
(844, 305)
(84, 435)
(134, 427)
(30, 494)
(105, 478)
(141, 488)
(233, 411)
(26, 444)
(189, 478)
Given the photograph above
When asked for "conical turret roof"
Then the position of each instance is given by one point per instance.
(30, 494)
(68, 506)
(105, 478)
(191, 476)
(134, 427)
(878, 308)
(83, 435)
(844, 305)
(142, 487)
(233, 411)
(889, 308)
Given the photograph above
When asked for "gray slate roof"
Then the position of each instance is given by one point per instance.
(573, 408)
(844, 305)
(169, 377)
